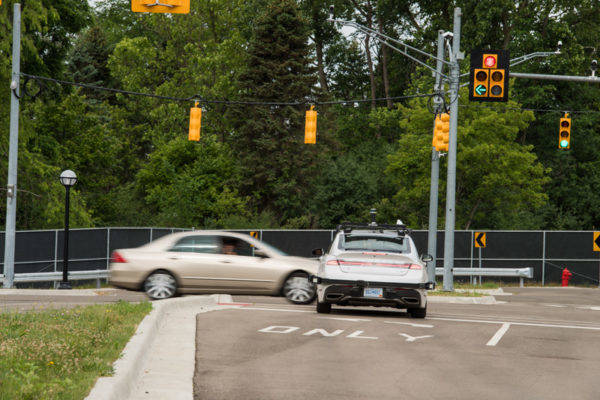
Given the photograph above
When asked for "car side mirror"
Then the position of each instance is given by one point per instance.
(317, 252)
(426, 257)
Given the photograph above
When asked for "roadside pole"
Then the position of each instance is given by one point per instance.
(11, 188)
(455, 56)
(435, 168)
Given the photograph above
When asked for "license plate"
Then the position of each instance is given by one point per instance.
(373, 292)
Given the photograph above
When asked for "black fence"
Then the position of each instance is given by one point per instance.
(547, 252)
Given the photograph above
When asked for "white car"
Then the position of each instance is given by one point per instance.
(373, 265)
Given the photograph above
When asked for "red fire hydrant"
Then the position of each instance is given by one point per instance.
(566, 275)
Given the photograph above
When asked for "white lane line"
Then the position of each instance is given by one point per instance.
(555, 305)
(517, 323)
(496, 338)
(409, 324)
(347, 319)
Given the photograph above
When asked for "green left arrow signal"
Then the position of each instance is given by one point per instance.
(480, 90)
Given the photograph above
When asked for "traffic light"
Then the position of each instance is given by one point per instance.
(310, 126)
(161, 6)
(489, 75)
(441, 132)
(195, 123)
(564, 133)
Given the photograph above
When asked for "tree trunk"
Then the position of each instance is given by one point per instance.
(472, 214)
(320, 64)
(384, 68)
(369, 59)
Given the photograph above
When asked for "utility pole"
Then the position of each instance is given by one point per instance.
(435, 167)
(455, 56)
(11, 188)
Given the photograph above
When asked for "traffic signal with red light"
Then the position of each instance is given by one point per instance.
(489, 75)
(310, 126)
(564, 133)
(441, 132)
(195, 123)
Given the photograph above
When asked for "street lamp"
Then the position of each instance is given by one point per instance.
(68, 179)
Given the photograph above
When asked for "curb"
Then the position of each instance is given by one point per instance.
(128, 367)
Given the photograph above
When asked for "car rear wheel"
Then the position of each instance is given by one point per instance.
(160, 285)
(298, 289)
(323, 308)
(417, 312)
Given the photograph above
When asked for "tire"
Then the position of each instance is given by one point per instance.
(298, 290)
(323, 308)
(418, 312)
(160, 285)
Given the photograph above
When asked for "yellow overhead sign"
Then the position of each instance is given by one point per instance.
(596, 241)
(161, 6)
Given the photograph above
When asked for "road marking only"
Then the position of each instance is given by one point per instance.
(409, 324)
(496, 338)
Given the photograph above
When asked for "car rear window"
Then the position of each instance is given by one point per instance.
(375, 243)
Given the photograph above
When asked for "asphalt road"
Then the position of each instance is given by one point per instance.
(540, 344)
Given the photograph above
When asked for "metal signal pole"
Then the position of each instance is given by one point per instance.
(455, 56)
(11, 187)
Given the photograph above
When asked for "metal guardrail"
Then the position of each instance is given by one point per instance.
(57, 276)
(501, 272)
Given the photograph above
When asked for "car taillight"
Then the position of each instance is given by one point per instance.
(332, 262)
(415, 266)
(117, 258)
(374, 264)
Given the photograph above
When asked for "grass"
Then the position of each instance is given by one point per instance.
(59, 354)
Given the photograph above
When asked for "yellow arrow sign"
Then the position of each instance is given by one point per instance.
(596, 241)
(161, 6)
(480, 239)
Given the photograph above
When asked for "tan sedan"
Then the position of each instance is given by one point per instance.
(212, 262)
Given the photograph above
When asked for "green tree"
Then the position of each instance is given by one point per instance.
(189, 184)
(499, 182)
(269, 139)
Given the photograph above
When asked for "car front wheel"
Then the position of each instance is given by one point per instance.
(298, 289)
(160, 285)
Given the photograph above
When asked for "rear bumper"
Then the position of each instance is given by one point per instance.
(325, 281)
(351, 293)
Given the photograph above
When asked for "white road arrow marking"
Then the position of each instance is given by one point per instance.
(413, 338)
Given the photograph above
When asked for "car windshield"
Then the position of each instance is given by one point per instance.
(376, 243)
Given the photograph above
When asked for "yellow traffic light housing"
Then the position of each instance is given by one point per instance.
(481, 83)
(441, 132)
(195, 123)
(564, 133)
(497, 83)
(161, 6)
(489, 75)
(310, 126)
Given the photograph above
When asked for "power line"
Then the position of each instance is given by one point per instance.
(200, 99)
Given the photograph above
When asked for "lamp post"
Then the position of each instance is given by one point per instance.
(68, 179)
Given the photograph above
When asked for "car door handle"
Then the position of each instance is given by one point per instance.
(174, 258)
(226, 261)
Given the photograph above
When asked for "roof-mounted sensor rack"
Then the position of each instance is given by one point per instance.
(348, 227)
